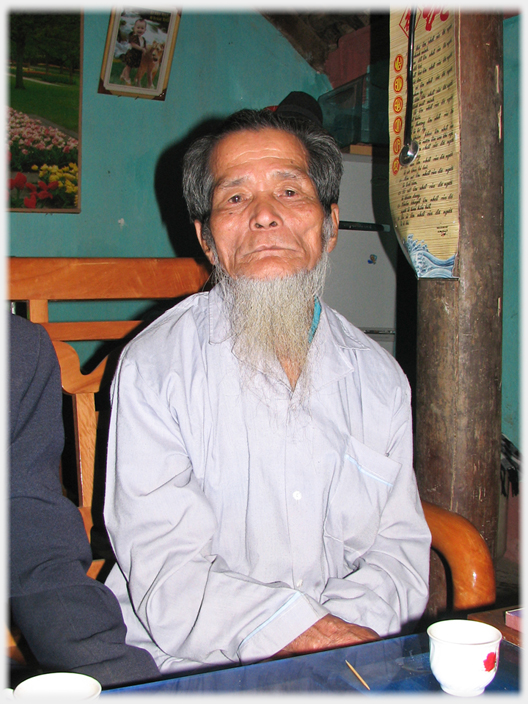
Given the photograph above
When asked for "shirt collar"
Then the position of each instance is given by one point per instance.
(315, 319)
(332, 337)
(218, 322)
(333, 347)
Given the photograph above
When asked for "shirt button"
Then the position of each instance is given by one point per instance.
(299, 584)
(297, 495)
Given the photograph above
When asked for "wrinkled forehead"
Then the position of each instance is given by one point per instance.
(248, 149)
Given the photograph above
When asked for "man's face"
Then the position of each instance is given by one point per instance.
(266, 218)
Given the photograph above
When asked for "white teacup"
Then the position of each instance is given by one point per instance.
(57, 687)
(464, 655)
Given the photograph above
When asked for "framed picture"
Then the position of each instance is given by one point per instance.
(44, 92)
(138, 53)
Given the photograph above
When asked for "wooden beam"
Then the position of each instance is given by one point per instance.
(458, 407)
(302, 37)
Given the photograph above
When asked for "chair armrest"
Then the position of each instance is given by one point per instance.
(467, 555)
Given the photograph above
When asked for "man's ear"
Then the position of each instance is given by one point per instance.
(203, 244)
(334, 214)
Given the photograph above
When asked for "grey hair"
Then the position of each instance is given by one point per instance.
(325, 165)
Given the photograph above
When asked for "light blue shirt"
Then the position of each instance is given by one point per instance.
(240, 516)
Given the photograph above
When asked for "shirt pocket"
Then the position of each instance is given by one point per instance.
(359, 492)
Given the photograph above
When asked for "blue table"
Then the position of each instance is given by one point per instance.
(390, 665)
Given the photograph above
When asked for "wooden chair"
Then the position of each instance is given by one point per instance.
(468, 559)
(40, 280)
(37, 281)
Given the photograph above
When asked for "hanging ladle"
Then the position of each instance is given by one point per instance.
(410, 146)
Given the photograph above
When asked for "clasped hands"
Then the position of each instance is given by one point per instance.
(327, 633)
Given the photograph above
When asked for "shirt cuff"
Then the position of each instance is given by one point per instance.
(293, 618)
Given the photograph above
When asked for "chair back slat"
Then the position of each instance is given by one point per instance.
(85, 423)
(92, 330)
(38, 310)
(73, 380)
(72, 279)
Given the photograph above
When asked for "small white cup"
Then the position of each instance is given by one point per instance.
(464, 655)
(57, 687)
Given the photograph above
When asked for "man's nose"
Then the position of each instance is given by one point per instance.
(265, 213)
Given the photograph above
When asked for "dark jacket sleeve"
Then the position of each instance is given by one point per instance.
(70, 621)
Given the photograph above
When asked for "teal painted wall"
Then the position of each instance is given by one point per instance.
(510, 326)
(222, 62)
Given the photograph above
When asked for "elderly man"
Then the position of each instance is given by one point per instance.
(261, 498)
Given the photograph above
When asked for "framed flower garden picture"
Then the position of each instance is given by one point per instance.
(44, 111)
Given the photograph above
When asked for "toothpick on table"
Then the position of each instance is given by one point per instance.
(357, 675)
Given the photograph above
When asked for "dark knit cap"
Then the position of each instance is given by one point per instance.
(300, 105)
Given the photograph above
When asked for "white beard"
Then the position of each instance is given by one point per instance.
(271, 320)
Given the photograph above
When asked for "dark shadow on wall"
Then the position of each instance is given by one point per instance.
(406, 281)
(169, 193)
(407, 322)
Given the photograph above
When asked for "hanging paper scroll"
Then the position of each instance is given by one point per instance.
(424, 194)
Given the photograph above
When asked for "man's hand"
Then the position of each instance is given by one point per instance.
(327, 633)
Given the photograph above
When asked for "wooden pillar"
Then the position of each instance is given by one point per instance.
(458, 404)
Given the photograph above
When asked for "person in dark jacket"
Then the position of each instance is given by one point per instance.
(70, 621)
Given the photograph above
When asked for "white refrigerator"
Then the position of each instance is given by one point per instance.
(361, 282)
